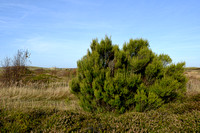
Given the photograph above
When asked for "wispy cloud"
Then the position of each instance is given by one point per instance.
(2, 21)
(41, 45)
(21, 11)
(35, 44)
(81, 2)
(17, 5)
(44, 50)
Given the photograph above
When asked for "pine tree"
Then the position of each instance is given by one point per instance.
(131, 78)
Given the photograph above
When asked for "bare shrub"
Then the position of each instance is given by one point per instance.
(14, 69)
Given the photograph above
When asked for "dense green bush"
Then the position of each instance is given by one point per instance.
(131, 78)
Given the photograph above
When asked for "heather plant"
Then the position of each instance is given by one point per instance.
(132, 78)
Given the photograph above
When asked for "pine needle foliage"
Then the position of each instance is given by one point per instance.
(132, 78)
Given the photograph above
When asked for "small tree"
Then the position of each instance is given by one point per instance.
(14, 69)
(131, 78)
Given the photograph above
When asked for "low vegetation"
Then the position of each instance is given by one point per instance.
(173, 117)
(49, 106)
(53, 108)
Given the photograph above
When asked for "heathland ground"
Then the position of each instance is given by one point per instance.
(44, 103)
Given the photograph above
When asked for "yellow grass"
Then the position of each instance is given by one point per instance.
(193, 85)
(29, 97)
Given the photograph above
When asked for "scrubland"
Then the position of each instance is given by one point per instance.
(48, 106)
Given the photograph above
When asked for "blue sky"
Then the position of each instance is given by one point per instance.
(58, 32)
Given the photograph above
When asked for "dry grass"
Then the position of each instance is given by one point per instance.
(29, 97)
(23, 93)
(193, 85)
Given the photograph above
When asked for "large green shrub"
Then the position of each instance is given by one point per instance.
(131, 78)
